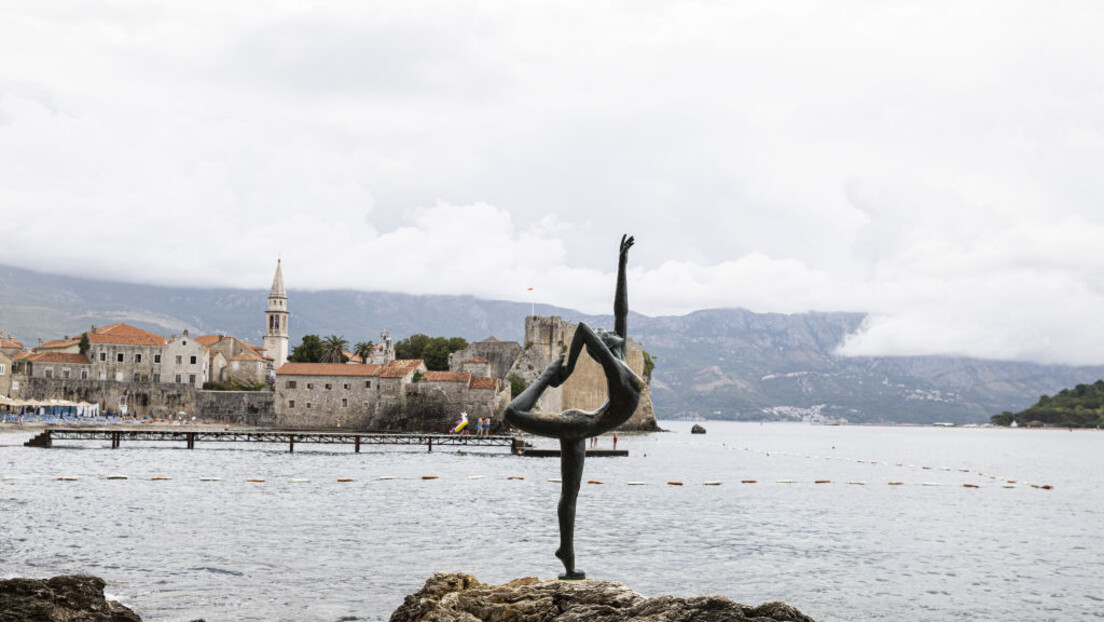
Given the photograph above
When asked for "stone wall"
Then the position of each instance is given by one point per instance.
(157, 399)
(500, 355)
(254, 408)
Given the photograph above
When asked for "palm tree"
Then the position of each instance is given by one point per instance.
(333, 349)
(364, 349)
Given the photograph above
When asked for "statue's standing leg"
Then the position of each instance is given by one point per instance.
(572, 455)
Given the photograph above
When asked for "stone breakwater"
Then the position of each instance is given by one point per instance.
(463, 598)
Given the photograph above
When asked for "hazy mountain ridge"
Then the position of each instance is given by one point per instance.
(719, 363)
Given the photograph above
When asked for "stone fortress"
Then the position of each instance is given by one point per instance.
(128, 370)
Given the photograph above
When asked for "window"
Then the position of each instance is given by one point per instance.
(157, 377)
(183, 343)
(344, 403)
(84, 374)
(193, 360)
(290, 384)
(49, 372)
(178, 379)
(291, 403)
(103, 356)
(137, 377)
(179, 359)
(346, 386)
(308, 404)
(3, 369)
(65, 372)
(191, 378)
(137, 358)
(310, 385)
(119, 357)
(367, 384)
(328, 386)
(103, 375)
(156, 358)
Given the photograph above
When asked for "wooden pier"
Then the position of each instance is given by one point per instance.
(289, 438)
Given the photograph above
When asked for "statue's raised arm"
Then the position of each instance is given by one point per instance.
(621, 296)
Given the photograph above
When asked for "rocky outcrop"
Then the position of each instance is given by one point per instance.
(459, 597)
(75, 598)
(697, 429)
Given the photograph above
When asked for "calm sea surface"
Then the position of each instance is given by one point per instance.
(322, 550)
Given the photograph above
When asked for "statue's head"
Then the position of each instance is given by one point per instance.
(613, 341)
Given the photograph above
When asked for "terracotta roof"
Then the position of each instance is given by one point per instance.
(477, 360)
(23, 355)
(251, 351)
(59, 357)
(479, 382)
(492, 339)
(9, 344)
(448, 376)
(57, 344)
(401, 367)
(125, 334)
(208, 340)
(327, 369)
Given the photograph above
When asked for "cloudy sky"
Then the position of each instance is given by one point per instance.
(939, 165)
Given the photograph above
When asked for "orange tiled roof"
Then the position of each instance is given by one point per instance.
(448, 376)
(23, 355)
(125, 334)
(207, 340)
(59, 357)
(58, 344)
(400, 367)
(480, 382)
(327, 369)
(9, 344)
(477, 360)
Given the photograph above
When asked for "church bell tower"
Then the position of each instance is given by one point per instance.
(276, 321)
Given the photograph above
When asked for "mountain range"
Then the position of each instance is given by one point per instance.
(710, 364)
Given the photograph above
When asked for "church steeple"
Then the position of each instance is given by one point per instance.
(276, 321)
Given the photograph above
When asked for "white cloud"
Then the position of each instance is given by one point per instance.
(935, 164)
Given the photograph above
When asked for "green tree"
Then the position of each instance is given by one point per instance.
(84, 345)
(433, 350)
(517, 384)
(308, 351)
(333, 349)
(363, 349)
(436, 354)
(411, 347)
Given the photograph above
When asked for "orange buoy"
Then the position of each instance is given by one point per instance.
(896, 483)
(345, 479)
(747, 481)
(1046, 486)
(160, 478)
(595, 481)
(517, 477)
(969, 485)
(429, 477)
(256, 480)
(823, 481)
(674, 483)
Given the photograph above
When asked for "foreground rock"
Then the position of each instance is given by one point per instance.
(76, 598)
(697, 429)
(462, 598)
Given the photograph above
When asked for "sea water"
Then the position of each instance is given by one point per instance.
(933, 547)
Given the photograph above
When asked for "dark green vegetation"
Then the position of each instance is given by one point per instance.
(433, 350)
(719, 363)
(230, 384)
(309, 350)
(1079, 407)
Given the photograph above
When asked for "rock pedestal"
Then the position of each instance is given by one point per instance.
(462, 598)
(76, 598)
(697, 429)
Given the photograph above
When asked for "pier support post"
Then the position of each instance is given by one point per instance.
(191, 440)
(291, 445)
(114, 439)
(358, 444)
(431, 444)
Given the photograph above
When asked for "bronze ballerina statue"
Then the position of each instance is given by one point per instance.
(573, 427)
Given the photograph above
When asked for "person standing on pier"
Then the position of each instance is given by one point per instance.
(573, 427)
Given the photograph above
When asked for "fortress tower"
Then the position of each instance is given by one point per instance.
(276, 321)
